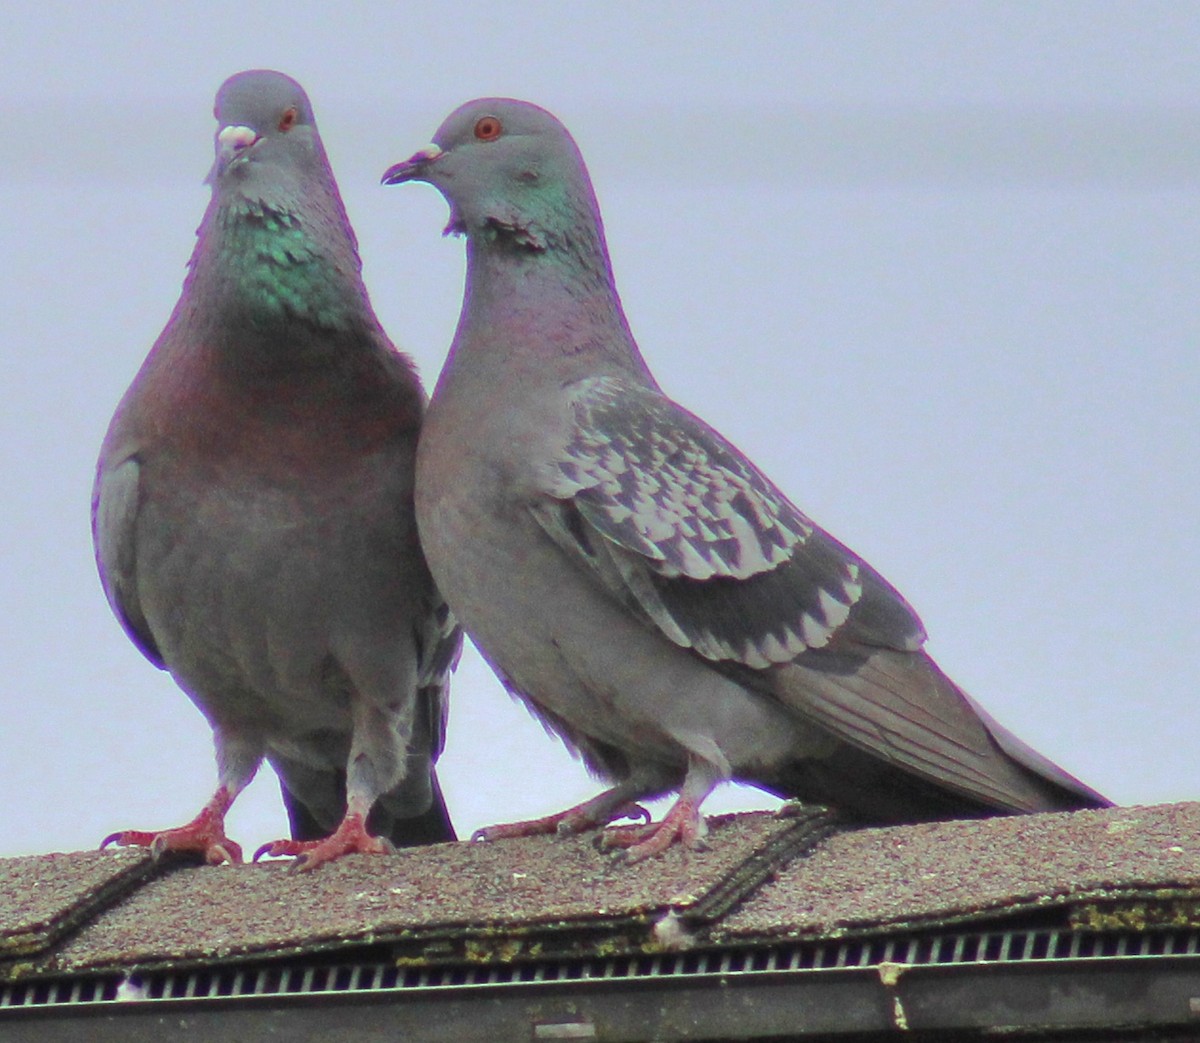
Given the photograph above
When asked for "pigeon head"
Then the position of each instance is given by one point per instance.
(509, 170)
(275, 247)
(266, 134)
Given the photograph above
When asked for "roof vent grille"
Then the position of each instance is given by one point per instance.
(280, 980)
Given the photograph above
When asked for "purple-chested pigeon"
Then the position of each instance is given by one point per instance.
(253, 509)
(631, 575)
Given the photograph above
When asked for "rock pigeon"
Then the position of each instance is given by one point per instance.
(253, 509)
(631, 575)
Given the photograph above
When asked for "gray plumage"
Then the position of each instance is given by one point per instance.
(253, 511)
(631, 574)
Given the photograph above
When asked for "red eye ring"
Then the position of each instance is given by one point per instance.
(288, 119)
(488, 128)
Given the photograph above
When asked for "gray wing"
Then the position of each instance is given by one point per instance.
(689, 534)
(696, 541)
(115, 501)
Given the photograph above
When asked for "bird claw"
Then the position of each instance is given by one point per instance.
(276, 849)
(682, 824)
(506, 831)
(628, 810)
(578, 819)
(200, 836)
(115, 838)
(351, 837)
(226, 851)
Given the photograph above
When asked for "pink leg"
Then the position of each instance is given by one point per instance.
(606, 807)
(683, 823)
(350, 837)
(205, 833)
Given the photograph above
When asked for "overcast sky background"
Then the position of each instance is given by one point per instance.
(934, 266)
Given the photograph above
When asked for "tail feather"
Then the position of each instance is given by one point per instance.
(915, 745)
(431, 826)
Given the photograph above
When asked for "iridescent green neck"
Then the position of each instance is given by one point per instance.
(274, 272)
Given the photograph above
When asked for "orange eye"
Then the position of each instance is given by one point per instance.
(488, 128)
(288, 119)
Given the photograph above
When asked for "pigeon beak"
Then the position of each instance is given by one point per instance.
(232, 143)
(413, 168)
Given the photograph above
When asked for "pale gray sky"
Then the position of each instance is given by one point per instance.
(935, 266)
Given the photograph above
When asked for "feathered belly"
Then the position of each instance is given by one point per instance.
(270, 611)
(589, 669)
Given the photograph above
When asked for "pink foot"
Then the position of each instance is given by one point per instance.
(591, 814)
(350, 837)
(683, 823)
(205, 834)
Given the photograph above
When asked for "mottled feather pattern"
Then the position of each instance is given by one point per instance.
(700, 543)
(671, 488)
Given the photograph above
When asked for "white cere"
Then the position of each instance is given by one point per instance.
(233, 139)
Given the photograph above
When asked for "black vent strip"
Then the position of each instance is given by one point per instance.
(812, 825)
(1055, 946)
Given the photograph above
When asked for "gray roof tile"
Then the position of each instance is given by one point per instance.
(549, 897)
(1094, 864)
(44, 897)
(475, 901)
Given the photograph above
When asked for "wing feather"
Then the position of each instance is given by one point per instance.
(690, 534)
(115, 503)
(685, 532)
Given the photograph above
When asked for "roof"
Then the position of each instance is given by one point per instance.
(921, 923)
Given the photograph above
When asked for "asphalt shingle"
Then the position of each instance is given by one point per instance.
(1094, 864)
(497, 900)
(45, 897)
(764, 880)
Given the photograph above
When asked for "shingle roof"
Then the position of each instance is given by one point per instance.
(1092, 865)
(46, 897)
(475, 901)
(776, 895)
